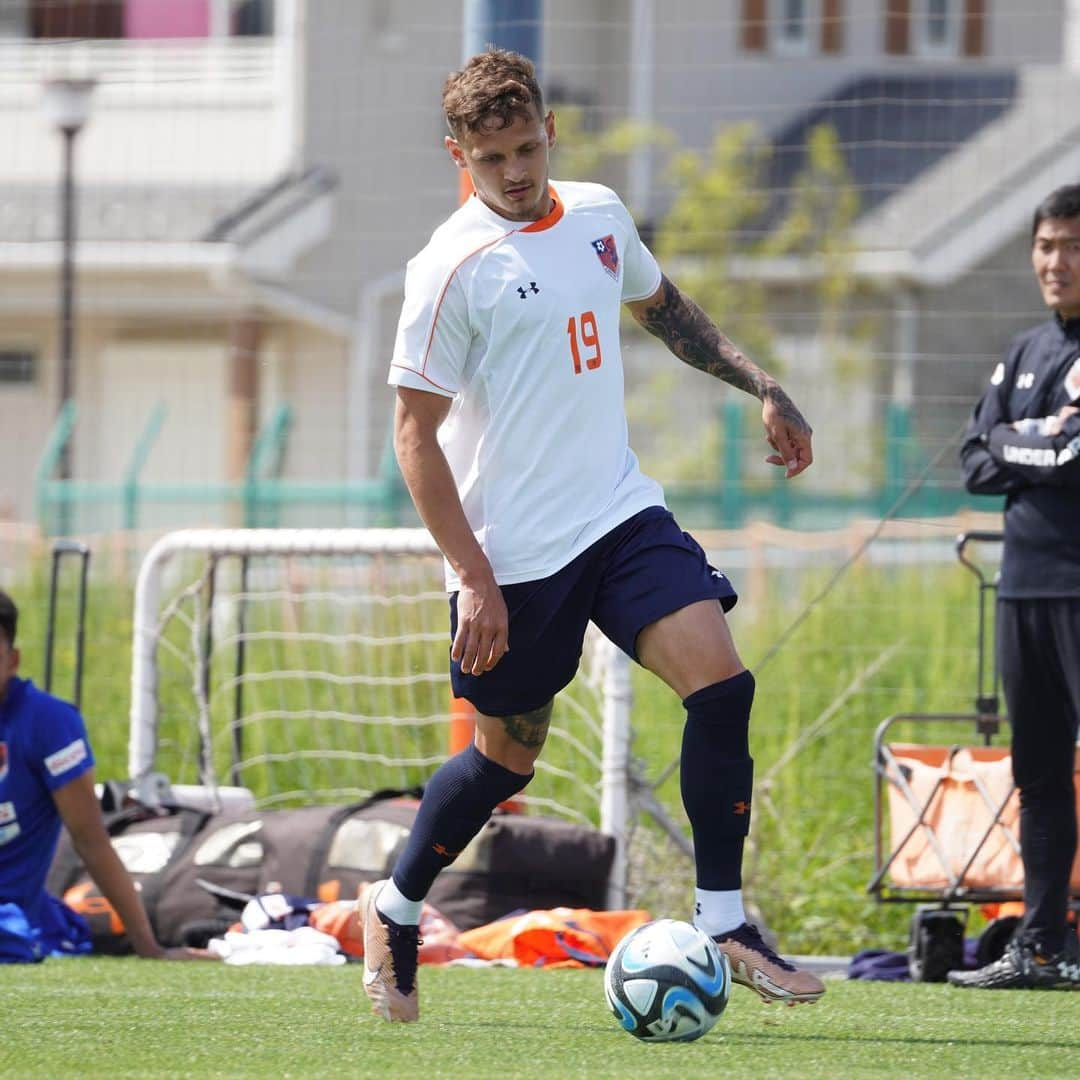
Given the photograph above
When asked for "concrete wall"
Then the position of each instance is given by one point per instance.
(313, 371)
(26, 411)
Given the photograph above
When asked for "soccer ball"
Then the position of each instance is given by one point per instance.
(667, 981)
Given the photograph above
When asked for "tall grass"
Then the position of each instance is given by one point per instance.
(887, 639)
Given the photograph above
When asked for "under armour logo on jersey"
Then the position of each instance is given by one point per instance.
(524, 293)
(1025, 380)
(608, 254)
(742, 807)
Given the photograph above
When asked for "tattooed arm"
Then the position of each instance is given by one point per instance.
(695, 339)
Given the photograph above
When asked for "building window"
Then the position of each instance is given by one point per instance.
(792, 27)
(77, 18)
(937, 27)
(251, 18)
(17, 366)
(792, 20)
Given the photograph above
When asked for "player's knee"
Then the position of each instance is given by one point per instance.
(514, 742)
(717, 772)
(516, 759)
(502, 780)
(723, 710)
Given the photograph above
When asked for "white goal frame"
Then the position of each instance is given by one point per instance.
(219, 543)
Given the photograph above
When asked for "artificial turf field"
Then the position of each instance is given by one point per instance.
(128, 1018)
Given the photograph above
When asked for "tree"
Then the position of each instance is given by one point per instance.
(723, 225)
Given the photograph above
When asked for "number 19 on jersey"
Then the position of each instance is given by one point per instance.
(583, 334)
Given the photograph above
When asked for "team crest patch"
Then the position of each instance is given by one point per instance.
(1072, 380)
(3, 760)
(608, 254)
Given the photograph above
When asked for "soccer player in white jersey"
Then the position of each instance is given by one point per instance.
(510, 430)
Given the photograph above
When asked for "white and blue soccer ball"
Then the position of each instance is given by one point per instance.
(667, 981)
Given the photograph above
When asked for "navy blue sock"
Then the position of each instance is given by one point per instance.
(717, 777)
(457, 802)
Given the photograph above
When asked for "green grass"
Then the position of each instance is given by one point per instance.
(131, 1018)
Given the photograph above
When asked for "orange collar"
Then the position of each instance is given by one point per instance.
(552, 217)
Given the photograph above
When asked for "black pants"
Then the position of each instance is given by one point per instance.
(1038, 645)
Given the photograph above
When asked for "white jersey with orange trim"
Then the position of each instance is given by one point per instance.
(518, 322)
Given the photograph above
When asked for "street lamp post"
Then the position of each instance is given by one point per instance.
(67, 104)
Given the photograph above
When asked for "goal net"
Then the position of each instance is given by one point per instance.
(312, 666)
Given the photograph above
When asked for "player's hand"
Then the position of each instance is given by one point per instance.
(186, 953)
(482, 636)
(787, 432)
(181, 952)
(1055, 423)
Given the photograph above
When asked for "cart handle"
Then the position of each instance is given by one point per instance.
(985, 703)
(977, 536)
(60, 549)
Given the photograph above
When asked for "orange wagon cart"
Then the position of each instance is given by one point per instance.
(946, 813)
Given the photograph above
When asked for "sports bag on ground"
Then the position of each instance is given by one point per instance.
(520, 862)
(187, 862)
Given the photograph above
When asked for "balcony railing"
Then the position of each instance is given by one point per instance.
(213, 62)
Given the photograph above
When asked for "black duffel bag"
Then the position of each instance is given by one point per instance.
(518, 861)
(193, 868)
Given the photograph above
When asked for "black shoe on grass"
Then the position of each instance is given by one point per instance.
(1024, 967)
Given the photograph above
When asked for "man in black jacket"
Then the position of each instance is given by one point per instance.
(1024, 442)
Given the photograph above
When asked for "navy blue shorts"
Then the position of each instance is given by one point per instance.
(642, 570)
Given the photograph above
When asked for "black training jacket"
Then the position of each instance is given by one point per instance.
(1038, 474)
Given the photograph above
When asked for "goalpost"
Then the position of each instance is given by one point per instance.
(311, 665)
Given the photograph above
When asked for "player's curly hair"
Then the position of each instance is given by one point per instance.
(492, 90)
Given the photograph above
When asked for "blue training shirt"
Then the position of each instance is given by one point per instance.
(43, 746)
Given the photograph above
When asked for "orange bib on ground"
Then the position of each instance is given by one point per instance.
(558, 937)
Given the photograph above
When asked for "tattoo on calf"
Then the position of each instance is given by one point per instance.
(529, 729)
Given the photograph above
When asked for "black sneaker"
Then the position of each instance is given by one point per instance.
(1023, 967)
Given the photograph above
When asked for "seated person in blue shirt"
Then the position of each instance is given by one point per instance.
(47, 779)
